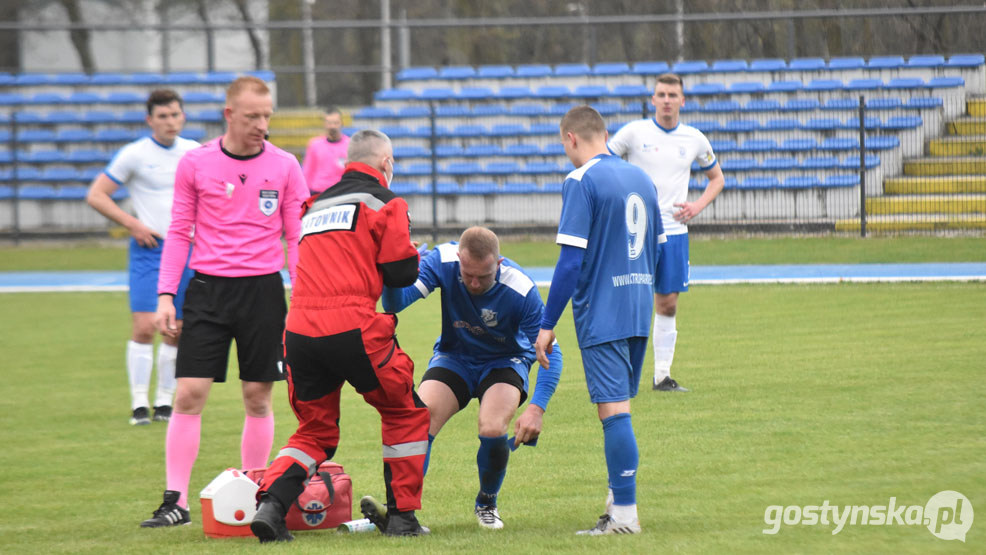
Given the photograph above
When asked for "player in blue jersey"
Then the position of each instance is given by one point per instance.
(491, 315)
(610, 231)
(665, 149)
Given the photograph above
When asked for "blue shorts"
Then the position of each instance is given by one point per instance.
(477, 377)
(144, 264)
(612, 369)
(672, 268)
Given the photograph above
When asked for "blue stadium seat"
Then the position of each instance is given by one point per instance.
(687, 108)
(196, 133)
(107, 79)
(501, 168)
(394, 94)
(469, 130)
(765, 105)
(607, 108)
(852, 162)
(819, 163)
(553, 149)
(6, 157)
(36, 136)
(539, 168)
(806, 64)
(212, 115)
(768, 64)
(760, 182)
(47, 98)
(449, 151)
(533, 70)
(373, 112)
(722, 146)
(778, 163)
(184, 78)
(846, 63)
(32, 79)
(507, 130)
(522, 149)
(905, 83)
(543, 128)
(474, 93)
(709, 88)
(801, 105)
(864, 85)
(729, 66)
(885, 62)
(824, 85)
(90, 173)
(528, 110)
(148, 79)
(590, 91)
(931, 61)
(572, 70)
(902, 122)
(841, 104)
(457, 72)
(478, 188)
(560, 109)
(785, 86)
(425, 131)
(406, 112)
(140, 116)
(72, 192)
(88, 156)
(447, 188)
(782, 124)
(740, 125)
(611, 69)
(125, 97)
(495, 71)
(411, 151)
(396, 131)
(919, 102)
(28, 174)
(11, 99)
(821, 124)
(735, 165)
(519, 187)
(221, 78)
(482, 150)
(842, 180)
(84, 97)
(437, 93)
(514, 92)
(706, 126)
(966, 60)
(417, 73)
(462, 168)
(945, 82)
(488, 110)
(203, 97)
(414, 168)
(265, 75)
(690, 66)
(882, 142)
(747, 87)
(6, 191)
(48, 156)
(552, 92)
(839, 143)
(889, 103)
(720, 106)
(631, 91)
(404, 188)
(758, 145)
(650, 68)
(113, 135)
(5, 135)
(59, 174)
(801, 182)
(37, 192)
(869, 122)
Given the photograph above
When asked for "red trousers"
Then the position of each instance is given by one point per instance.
(324, 348)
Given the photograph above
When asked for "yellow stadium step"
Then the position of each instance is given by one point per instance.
(919, 222)
(295, 119)
(946, 165)
(931, 185)
(977, 106)
(927, 204)
(962, 145)
(967, 126)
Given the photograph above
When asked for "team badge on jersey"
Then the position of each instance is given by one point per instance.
(268, 201)
(489, 317)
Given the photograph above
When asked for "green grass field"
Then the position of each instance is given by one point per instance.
(850, 393)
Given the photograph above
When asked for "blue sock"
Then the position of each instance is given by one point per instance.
(431, 439)
(622, 458)
(492, 462)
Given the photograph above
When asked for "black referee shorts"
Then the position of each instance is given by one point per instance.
(217, 310)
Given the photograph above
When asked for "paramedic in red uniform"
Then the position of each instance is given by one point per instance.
(355, 238)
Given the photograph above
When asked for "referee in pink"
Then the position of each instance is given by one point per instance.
(240, 195)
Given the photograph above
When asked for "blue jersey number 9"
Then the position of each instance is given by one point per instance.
(636, 217)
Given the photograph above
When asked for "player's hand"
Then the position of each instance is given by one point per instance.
(422, 248)
(164, 318)
(528, 426)
(688, 211)
(543, 346)
(144, 235)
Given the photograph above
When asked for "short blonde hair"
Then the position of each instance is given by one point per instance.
(247, 82)
(479, 242)
(584, 122)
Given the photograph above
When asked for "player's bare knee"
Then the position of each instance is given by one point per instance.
(494, 425)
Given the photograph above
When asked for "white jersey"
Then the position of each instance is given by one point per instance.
(666, 155)
(147, 170)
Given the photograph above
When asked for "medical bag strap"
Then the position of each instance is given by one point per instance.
(327, 480)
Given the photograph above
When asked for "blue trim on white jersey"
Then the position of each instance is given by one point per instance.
(665, 129)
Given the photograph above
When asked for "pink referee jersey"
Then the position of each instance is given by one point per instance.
(238, 208)
(324, 162)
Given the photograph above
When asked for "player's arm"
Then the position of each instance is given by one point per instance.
(707, 161)
(100, 198)
(295, 192)
(562, 287)
(175, 252)
(619, 143)
(396, 299)
(397, 258)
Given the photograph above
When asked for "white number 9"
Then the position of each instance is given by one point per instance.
(636, 217)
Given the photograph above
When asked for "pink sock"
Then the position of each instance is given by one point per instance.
(258, 438)
(181, 447)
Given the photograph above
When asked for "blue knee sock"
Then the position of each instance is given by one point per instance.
(621, 458)
(431, 439)
(492, 462)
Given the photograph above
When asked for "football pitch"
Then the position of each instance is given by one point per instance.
(802, 395)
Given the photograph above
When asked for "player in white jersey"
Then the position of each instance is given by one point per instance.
(665, 149)
(146, 167)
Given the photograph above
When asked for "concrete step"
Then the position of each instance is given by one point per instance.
(959, 145)
(927, 204)
(297, 118)
(969, 125)
(977, 106)
(916, 222)
(931, 185)
(946, 165)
